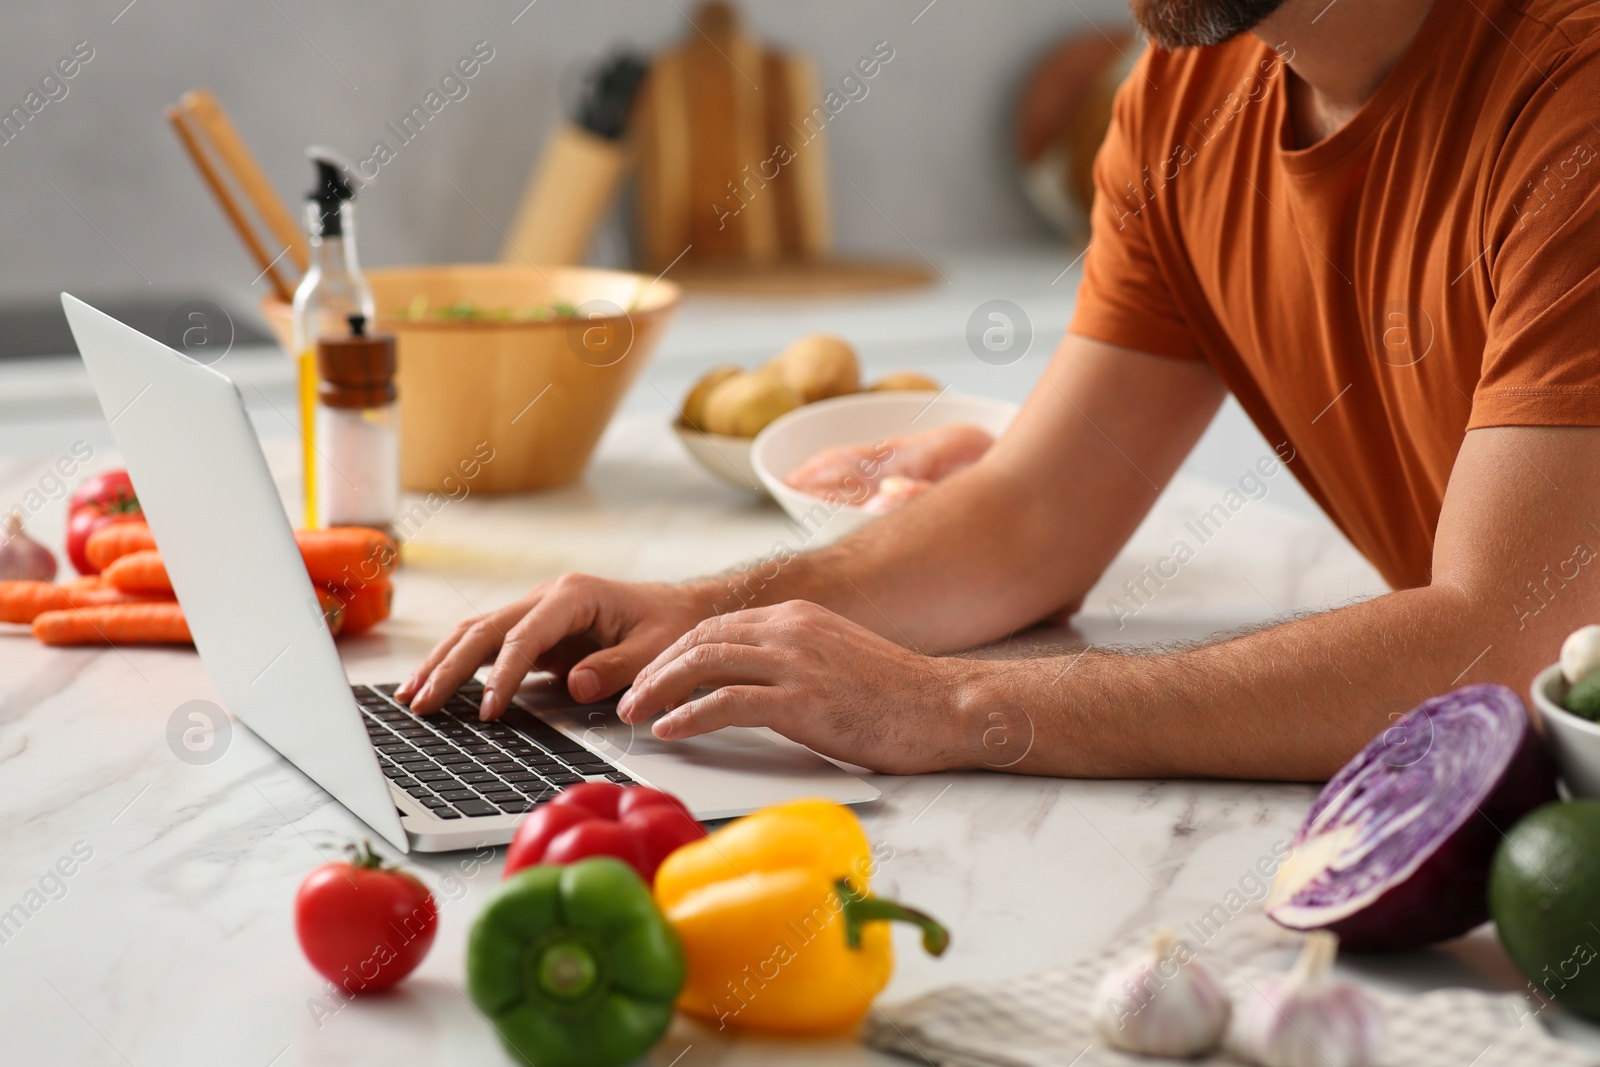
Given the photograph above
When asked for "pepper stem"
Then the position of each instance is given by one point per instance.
(860, 909)
(567, 970)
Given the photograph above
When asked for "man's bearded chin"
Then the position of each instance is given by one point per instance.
(1199, 23)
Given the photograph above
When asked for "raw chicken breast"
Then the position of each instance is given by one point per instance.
(918, 458)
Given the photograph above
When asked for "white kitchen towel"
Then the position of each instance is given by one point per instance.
(1043, 1021)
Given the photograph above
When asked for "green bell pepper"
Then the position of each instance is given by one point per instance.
(575, 965)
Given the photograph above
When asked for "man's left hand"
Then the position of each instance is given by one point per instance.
(813, 676)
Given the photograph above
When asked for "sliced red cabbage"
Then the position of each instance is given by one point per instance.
(1395, 852)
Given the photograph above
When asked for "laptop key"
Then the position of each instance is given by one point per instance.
(418, 790)
(513, 806)
(563, 778)
(476, 777)
(409, 755)
(433, 802)
(476, 807)
(404, 783)
(435, 775)
(519, 776)
(457, 793)
(454, 758)
(619, 778)
(446, 813)
(394, 772)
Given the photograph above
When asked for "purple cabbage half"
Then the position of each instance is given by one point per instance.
(1395, 852)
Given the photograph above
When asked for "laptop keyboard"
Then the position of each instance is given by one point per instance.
(456, 766)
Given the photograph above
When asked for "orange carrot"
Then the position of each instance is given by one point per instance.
(139, 572)
(346, 555)
(365, 605)
(332, 609)
(117, 540)
(22, 602)
(120, 624)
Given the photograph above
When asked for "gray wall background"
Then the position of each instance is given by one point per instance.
(930, 145)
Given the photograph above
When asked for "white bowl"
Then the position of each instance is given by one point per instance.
(725, 457)
(1574, 740)
(861, 418)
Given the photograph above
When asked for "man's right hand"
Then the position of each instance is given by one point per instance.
(630, 622)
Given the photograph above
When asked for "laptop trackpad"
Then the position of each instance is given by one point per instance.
(727, 772)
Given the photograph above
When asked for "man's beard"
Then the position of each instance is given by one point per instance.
(1198, 23)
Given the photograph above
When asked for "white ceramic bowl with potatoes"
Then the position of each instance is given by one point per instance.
(1574, 740)
(724, 456)
(863, 418)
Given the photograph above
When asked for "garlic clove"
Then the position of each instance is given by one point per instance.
(1308, 1018)
(22, 559)
(1580, 653)
(1162, 1002)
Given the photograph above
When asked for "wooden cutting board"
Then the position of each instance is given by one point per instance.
(731, 143)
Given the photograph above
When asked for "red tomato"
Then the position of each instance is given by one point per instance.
(100, 501)
(104, 491)
(638, 825)
(364, 926)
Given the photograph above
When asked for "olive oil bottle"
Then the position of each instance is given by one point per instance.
(332, 290)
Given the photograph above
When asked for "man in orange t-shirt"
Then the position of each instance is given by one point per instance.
(1376, 223)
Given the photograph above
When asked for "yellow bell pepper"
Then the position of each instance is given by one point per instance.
(777, 926)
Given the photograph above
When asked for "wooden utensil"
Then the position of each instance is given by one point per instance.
(225, 163)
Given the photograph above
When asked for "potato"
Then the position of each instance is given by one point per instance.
(904, 380)
(816, 367)
(694, 405)
(742, 404)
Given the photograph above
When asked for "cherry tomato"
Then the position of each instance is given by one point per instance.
(104, 499)
(362, 925)
(638, 825)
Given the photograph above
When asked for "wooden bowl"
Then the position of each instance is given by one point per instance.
(536, 395)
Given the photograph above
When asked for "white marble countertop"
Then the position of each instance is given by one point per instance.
(172, 944)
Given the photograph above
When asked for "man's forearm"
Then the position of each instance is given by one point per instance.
(1022, 534)
(936, 577)
(1292, 702)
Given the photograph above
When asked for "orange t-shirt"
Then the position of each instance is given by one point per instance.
(1432, 267)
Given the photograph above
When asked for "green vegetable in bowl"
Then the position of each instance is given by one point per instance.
(467, 311)
(1583, 699)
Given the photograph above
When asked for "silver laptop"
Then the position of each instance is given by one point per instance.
(436, 783)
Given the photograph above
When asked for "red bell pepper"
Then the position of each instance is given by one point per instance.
(638, 825)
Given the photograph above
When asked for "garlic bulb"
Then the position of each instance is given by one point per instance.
(22, 559)
(1580, 653)
(1163, 1002)
(1308, 1018)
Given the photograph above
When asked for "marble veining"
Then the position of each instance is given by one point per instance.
(172, 943)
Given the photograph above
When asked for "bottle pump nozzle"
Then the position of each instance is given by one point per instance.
(334, 186)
